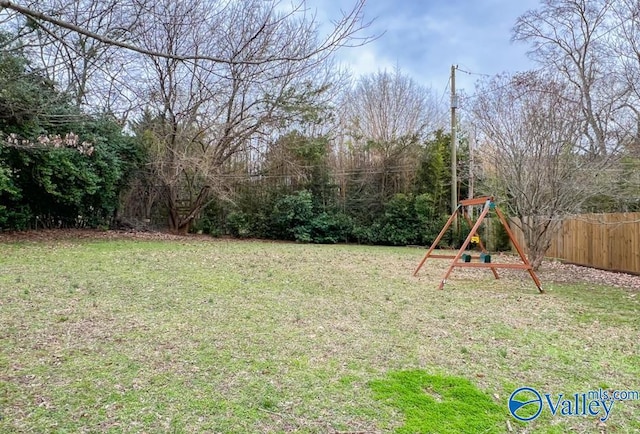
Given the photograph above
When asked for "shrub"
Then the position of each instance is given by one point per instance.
(291, 217)
(330, 228)
(238, 224)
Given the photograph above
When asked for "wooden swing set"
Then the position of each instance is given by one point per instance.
(461, 259)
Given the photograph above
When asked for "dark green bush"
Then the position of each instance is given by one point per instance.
(291, 217)
(331, 228)
(406, 219)
(62, 187)
(46, 179)
(211, 222)
(238, 224)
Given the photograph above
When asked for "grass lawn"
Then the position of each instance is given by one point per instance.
(196, 335)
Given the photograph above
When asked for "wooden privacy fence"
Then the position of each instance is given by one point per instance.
(607, 241)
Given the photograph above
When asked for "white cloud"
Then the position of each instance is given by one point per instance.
(425, 37)
(365, 60)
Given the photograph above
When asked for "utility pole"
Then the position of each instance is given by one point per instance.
(454, 158)
(472, 144)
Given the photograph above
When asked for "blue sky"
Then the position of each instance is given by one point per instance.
(424, 38)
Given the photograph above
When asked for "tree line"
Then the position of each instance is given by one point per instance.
(234, 118)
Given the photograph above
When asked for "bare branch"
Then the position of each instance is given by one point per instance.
(344, 34)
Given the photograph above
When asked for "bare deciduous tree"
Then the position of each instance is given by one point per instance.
(346, 31)
(573, 38)
(593, 46)
(214, 74)
(627, 49)
(96, 74)
(208, 112)
(386, 117)
(533, 153)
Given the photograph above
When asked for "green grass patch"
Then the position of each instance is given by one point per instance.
(598, 303)
(439, 404)
(193, 336)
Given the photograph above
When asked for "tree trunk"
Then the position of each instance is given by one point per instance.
(181, 225)
(536, 256)
(538, 231)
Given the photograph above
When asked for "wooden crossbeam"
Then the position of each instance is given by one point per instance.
(491, 265)
(476, 201)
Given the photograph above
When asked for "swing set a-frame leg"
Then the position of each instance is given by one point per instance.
(512, 237)
(435, 243)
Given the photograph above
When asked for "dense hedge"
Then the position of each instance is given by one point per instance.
(59, 167)
(61, 187)
(406, 219)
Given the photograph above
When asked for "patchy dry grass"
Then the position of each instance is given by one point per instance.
(216, 336)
